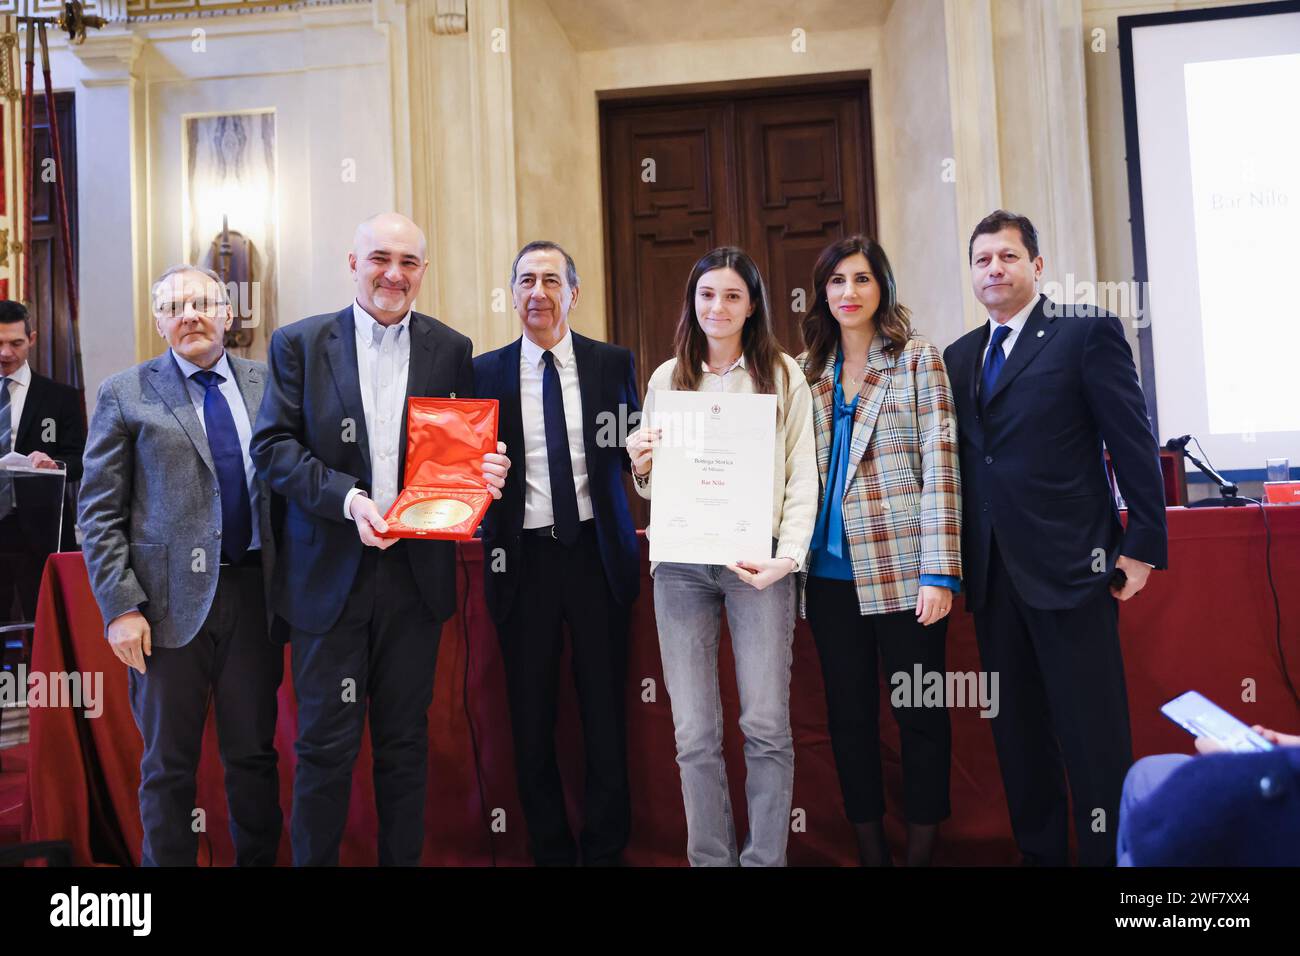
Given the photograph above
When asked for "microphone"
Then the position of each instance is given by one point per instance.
(1227, 490)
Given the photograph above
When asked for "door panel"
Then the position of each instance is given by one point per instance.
(669, 186)
(779, 173)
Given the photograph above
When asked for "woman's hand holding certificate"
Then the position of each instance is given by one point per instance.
(760, 574)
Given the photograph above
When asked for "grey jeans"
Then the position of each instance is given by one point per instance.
(689, 599)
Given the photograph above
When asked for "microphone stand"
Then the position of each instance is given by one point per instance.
(1228, 497)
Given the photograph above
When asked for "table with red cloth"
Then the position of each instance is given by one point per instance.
(1206, 623)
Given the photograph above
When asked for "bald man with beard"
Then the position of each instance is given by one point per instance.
(365, 612)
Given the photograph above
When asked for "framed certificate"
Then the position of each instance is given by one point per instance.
(713, 477)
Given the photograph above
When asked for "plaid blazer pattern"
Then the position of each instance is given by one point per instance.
(902, 500)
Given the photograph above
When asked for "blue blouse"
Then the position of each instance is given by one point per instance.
(830, 545)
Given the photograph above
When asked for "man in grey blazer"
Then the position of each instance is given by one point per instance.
(179, 547)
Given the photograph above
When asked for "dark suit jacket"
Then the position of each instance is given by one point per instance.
(310, 444)
(1223, 810)
(51, 403)
(1032, 465)
(607, 382)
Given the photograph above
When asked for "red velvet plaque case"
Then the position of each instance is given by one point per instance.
(444, 495)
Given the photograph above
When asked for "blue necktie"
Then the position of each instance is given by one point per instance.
(223, 442)
(993, 363)
(6, 446)
(564, 497)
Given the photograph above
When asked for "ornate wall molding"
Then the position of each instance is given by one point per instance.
(149, 11)
(111, 55)
(451, 17)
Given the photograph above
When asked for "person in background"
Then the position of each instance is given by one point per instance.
(724, 343)
(42, 419)
(885, 559)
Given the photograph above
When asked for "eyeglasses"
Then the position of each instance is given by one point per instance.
(176, 310)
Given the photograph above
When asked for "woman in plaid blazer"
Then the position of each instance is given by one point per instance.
(885, 558)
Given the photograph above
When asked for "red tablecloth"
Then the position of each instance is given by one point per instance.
(1207, 623)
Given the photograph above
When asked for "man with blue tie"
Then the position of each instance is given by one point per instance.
(179, 547)
(1039, 389)
(561, 549)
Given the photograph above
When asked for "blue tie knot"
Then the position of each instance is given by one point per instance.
(993, 362)
(548, 357)
(207, 378)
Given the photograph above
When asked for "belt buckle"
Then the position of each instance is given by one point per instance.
(554, 536)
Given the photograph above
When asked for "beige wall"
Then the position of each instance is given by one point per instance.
(488, 134)
(556, 105)
(914, 142)
(327, 72)
(1042, 136)
(463, 163)
(555, 196)
(335, 154)
(956, 70)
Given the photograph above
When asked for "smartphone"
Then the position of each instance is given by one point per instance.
(1201, 717)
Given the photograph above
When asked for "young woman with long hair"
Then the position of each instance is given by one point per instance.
(724, 343)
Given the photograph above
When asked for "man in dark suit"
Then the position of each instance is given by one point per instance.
(365, 612)
(1039, 388)
(179, 547)
(42, 419)
(561, 549)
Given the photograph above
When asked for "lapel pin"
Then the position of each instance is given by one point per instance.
(1040, 333)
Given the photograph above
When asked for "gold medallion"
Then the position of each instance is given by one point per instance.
(434, 514)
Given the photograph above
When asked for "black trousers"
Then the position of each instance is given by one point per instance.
(1063, 710)
(381, 652)
(559, 585)
(232, 664)
(848, 643)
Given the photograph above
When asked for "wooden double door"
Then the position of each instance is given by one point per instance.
(780, 173)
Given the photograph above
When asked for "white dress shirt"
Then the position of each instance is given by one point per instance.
(1015, 324)
(239, 412)
(19, 384)
(383, 366)
(538, 510)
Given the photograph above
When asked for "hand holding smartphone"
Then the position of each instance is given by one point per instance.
(1201, 717)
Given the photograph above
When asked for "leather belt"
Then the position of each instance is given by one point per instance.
(548, 531)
